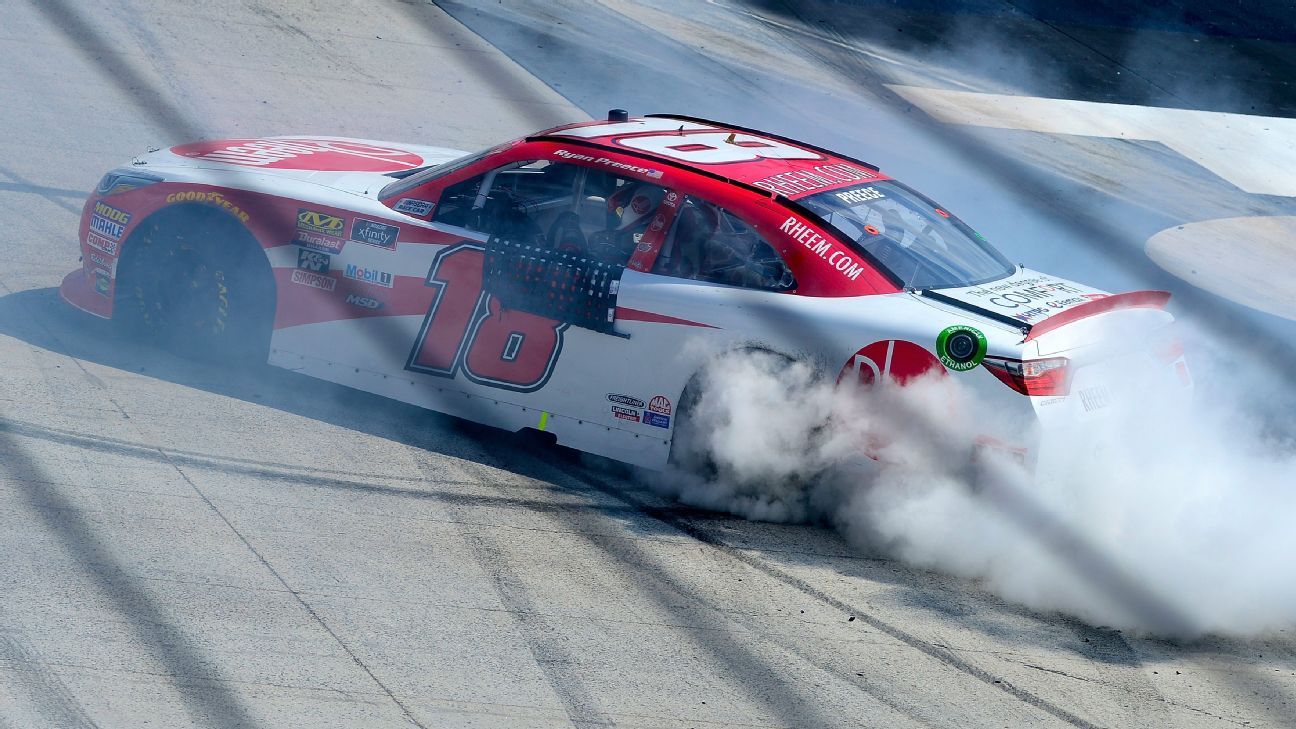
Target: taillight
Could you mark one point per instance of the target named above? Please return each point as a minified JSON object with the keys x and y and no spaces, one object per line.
{"x":1040,"y":377}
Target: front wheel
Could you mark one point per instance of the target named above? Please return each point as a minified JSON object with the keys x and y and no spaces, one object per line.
{"x":203,"y":290}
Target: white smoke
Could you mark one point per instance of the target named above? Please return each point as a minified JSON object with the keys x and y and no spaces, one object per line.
{"x":1171,"y":517}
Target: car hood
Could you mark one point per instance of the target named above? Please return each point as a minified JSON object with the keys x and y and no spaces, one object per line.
{"x":352,"y":165}
{"x":1027,"y":296}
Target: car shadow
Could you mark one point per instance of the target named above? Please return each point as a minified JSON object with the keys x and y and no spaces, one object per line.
{"x":41,"y":319}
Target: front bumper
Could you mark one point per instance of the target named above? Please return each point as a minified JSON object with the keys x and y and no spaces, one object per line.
{"x":88,"y":291}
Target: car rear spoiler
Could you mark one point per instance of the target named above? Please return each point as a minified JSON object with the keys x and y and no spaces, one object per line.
{"x":1129,"y":300}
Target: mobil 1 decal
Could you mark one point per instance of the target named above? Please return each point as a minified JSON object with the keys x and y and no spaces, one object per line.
{"x":961,"y":348}
{"x":466,"y":330}
{"x":889,"y":360}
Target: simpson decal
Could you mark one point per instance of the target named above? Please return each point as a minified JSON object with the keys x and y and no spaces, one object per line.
{"x":314,"y":280}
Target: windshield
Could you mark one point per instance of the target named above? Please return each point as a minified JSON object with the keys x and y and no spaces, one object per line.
{"x":414,"y":178}
{"x":918,"y":243}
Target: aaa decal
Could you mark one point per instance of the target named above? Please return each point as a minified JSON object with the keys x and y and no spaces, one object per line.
{"x":302,"y":154}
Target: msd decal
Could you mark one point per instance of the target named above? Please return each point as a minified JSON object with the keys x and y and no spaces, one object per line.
{"x":302,"y":154}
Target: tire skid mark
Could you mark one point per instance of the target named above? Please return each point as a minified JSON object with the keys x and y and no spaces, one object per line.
{"x":626,"y":552}
{"x":35,"y":678}
{"x":941,"y":654}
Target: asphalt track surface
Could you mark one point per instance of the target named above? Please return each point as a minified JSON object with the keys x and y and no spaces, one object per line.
{"x":187,"y":545}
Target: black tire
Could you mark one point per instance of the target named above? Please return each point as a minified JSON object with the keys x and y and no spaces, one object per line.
{"x":196,"y":282}
{"x":690,"y":449}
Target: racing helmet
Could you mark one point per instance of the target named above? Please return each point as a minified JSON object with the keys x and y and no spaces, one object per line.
{"x":632,"y":207}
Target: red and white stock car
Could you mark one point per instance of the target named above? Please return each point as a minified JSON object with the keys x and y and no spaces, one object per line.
{"x":577,"y":280}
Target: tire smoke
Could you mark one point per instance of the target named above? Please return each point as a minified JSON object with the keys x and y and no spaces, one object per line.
{"x":1168,"y":516}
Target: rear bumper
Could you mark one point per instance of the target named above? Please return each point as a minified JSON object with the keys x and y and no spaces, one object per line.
{"x":88,"y":291}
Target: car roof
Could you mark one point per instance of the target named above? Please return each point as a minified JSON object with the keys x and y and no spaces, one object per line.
{"x":766,"y":163}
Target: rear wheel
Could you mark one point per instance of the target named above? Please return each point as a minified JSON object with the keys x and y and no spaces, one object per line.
{"x":199,"y":284}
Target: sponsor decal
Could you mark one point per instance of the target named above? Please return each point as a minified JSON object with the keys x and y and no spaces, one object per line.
{"x":412,"y":206}
{"x":302,"y":154}
{"x":640,"y":204}
{"x":890,"y":359}
{"x":210,"y":197}
{"x":1026,"y":292}
{"x":961,"y":348}
{"x":656,"y":419}
{"x":660,"y":404}
{"x":317,"y":242}
{"x":576,"y":156}
{"x":107,"y":245}
{"x":859,"y":195}
{"x":112,"y":213}
{"x":308,"y":260}
{"x":314,"y":280}
{"x":100,"y":224}
{"x":1094,"y":297}
{"x":103,"y":261}
{"x":1095,"y":398}
{"x":625,"y":413}
{"x":633,"y":402}
{"x":818,"y":178}
{"x":368,"y":275}
{"x":316,"y":222}
{"x":364,"y":302}
{"x":1031,"y":315}
{"x":822,"y":247}
{"x":373,"y":233}
{"x":102,"y":282}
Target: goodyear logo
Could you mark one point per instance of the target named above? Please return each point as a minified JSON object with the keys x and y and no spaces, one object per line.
{"x":317,"y":222}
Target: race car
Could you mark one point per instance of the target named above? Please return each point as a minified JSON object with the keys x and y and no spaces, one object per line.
{"x":578,"y":280}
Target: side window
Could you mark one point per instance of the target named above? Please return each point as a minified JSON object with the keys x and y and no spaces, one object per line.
{"x":568,"y":208}
{"x":709,"y":243}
